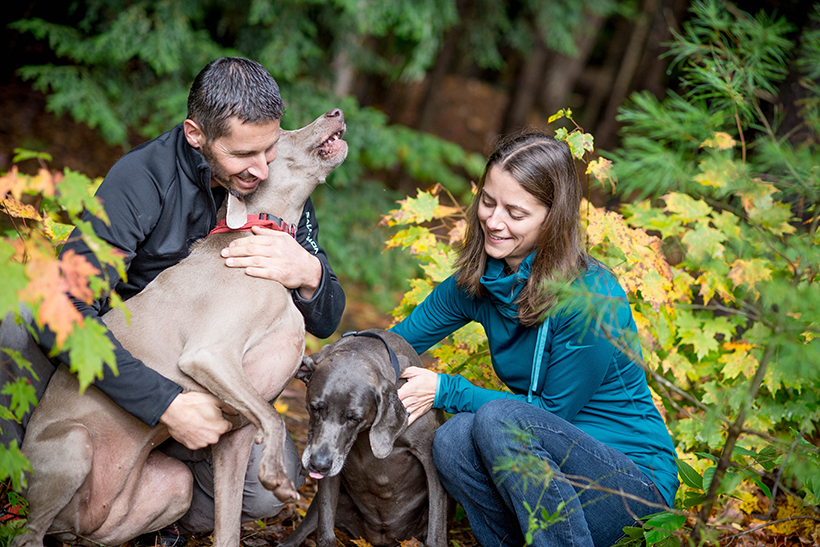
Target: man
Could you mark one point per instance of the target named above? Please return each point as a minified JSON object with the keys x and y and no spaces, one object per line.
{"x":163,"y":196}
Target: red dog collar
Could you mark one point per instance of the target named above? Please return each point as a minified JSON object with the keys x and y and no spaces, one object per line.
{"x":262,"y":219}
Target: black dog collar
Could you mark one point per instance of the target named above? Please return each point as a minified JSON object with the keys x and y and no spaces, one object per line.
{"x":393,"y":359}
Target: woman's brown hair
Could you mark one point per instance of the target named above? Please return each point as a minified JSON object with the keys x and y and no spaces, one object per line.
{"x":546,"y":169}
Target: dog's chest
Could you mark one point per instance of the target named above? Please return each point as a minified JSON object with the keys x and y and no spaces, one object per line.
{"x":382,"y":482}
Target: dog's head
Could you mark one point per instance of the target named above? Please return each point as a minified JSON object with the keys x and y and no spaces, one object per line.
{"x":304,"y":159}
{"x":348,"y":394}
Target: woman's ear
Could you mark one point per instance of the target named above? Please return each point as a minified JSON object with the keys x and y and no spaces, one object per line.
{"x":193,"y":133}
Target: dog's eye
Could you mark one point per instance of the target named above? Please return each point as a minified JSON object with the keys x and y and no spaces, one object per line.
{"x":353,"y":419}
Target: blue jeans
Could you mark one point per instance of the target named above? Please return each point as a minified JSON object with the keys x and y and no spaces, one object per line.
{"x":469,"y":448}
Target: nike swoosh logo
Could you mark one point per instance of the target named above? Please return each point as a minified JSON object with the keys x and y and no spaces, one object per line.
{"x":570,"y":346}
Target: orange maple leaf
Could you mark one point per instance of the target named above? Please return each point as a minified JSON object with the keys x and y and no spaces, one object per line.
{"x":44,"y":182}
{"x":76,"y":270}
{"x":48,"y":287}
{"x":12,"y":182}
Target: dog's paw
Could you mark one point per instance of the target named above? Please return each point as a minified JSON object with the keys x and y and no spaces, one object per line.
{"x":284,"y":490}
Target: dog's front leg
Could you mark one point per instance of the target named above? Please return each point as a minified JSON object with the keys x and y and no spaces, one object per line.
{"x":327,"y":497}
{"x":230,"y":460}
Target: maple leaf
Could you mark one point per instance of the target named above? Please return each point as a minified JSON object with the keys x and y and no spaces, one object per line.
{"x":17,"y":209}
{"x":361,"y":542}
{"x":738,"y":362}
{"x":687,"y":208}
{"x":749,"y":273}
{"x":88,"y":344}
{"x":717,"y":172}
{"x":457,"y":232}
{"x":23,"y":396}
{"x":680,"y":367}
{"x":43,"y":182}
{"x":601,"y":169}
{"x":76,"y":192}
{"x":412,"y":542}
{"x":712,"y":282}
{"x":580,"y":143}
{"x":440,"y":265}
{"x":13,"y":463}
{"x":13,"y":274}
{"x":719,"y":140}
{"x":563,"y":113}
{"x":76,"y":270}
{"x":704,"y":241}
{"x":57,"y":232}
{"x":13,"y":182}
{"x":48,"y":288}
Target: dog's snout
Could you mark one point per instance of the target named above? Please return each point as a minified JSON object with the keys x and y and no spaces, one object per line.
{"x":336,"y":113}
{"x":321,"y":461}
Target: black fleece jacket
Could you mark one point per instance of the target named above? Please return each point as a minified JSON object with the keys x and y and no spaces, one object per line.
{"x":159,"y":202}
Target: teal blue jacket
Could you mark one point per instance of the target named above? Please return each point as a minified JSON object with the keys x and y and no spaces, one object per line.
{"x":581,"y":378}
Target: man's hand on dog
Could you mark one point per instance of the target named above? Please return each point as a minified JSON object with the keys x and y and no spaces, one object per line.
{"x":418,"y":394}
{"x":195,"y":419}
{"x":276,"y":255}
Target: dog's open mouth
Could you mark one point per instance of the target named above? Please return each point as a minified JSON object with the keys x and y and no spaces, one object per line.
{"x":332,"y":145}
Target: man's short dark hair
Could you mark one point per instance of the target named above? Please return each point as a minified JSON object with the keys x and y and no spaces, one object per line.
{"x":233,"y":86}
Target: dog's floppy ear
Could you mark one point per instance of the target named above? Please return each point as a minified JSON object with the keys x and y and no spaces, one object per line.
{"x":390,"y":423}
{"x":306,"y":368}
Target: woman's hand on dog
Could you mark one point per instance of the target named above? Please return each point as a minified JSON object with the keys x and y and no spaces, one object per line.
{"x":274,"y":255}
{"x":419,"y":392}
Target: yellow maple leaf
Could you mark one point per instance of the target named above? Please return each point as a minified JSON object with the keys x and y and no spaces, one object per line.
{"x":719,"y":140}
{"x":601,"y":169}
{"x":457,"y":232}
{"x":281,"y":408}
{"x":750,"y":273}
{"x":361,"y":542}
{"x":17,"y":209}
{"x":738,"y":362}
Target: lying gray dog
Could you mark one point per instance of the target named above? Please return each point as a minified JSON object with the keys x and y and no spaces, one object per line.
{"x":376,"y":475}
{"x":210,"y":328}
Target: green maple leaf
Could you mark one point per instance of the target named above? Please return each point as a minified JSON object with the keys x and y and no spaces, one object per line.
{"x":12,"y":465}
{"x":579,"y":143}
{"x":76,"y":193}
{"x":14,"y":279}
{"x":687,"y":208}
{"x":23,"y":396}
{"x":705,"y":242}
{"x":90,"y":349}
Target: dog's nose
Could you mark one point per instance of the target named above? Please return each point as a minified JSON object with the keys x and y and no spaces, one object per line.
{"x":336,"y":113}
{"x":321,"y":462}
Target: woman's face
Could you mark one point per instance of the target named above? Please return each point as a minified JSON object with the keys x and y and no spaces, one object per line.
{"x":510,"y":217}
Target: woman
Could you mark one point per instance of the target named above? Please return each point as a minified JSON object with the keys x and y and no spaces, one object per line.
{"x":583,"y":405}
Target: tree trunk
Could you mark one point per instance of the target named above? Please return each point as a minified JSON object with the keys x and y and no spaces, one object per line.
{"x":526,"y":90}
{"x":427,"y":115}
{"x":563,"y":72}
{"x":629,"y":66}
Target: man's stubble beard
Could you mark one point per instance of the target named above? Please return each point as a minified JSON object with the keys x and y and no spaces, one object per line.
{"x":220,"y":175}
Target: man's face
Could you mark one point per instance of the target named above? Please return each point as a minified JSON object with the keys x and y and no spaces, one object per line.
{"x":239,"y":161}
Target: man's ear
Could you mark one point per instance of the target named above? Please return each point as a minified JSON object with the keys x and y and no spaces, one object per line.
{"x":193,"y":133}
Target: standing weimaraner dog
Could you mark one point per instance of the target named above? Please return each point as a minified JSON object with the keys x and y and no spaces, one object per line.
{"x":377,"y":479}
{"x":209,"y":328}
